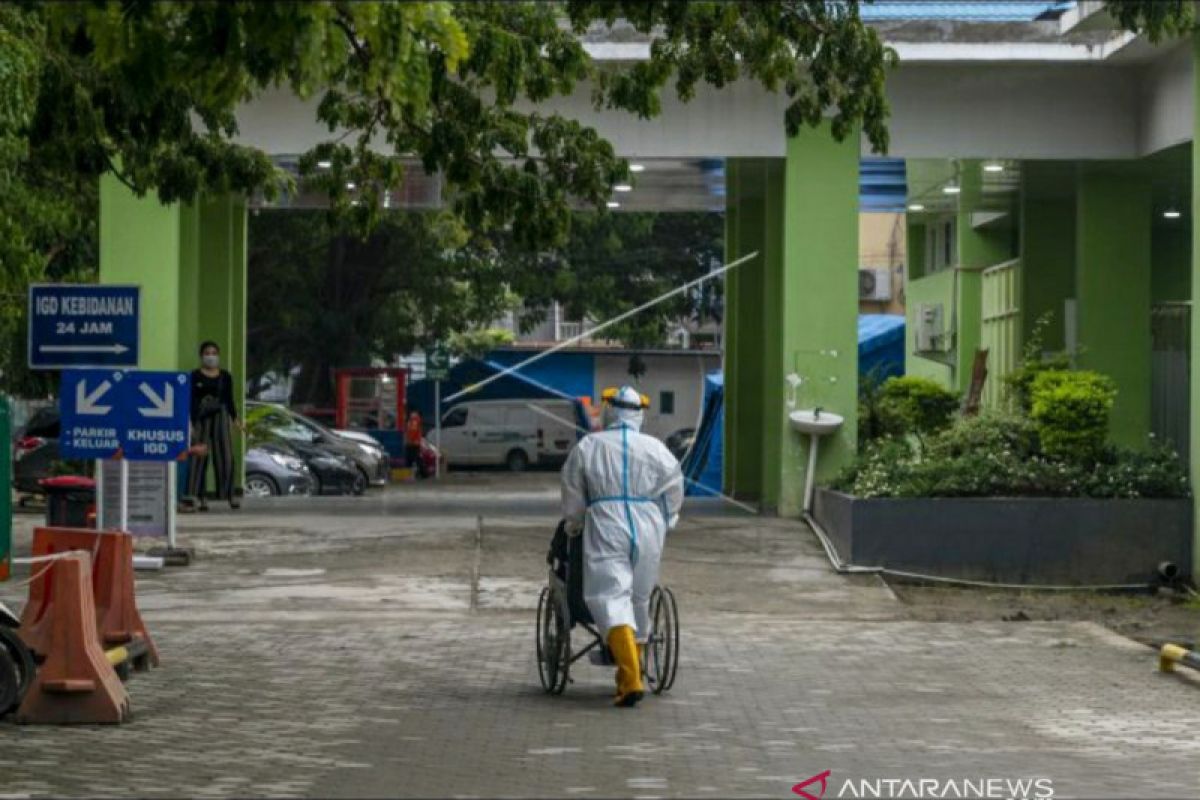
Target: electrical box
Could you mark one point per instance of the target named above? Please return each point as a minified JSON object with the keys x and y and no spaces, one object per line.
{"x":930,"y":332}
{"x":875,"y":284}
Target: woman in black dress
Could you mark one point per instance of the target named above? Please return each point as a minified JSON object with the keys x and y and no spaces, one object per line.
{"x":213,"y":417}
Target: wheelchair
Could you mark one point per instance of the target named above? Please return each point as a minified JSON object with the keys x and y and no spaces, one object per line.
{"x":561,"y":609}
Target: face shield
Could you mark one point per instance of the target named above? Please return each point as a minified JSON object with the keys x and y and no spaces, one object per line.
{"x":625,"y":407}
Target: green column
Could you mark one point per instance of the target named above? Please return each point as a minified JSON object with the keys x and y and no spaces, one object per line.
{"x":190,"y":260}
{"x":1113,"y":289}
{"x":749,"y":229}
{"x":1047,"y":247}
{"x":816,"y":317}
{"x":1194,"y":446}
{"x":6,"y":482}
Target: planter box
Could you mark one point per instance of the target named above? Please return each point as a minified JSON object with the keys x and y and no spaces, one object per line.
{"x":1028,"y":540}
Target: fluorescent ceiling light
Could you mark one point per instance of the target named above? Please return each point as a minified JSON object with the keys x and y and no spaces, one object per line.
{"x":350,"y":185}
{"x":993,"y":168}
{"x":324,"y":164}
{"x":952,"y":189}
{"x":622,"y":187}
{"x":916,"y":207}
{"x":637,"y":167}
{"x":1172,"y":214}
{"x":613,"y":204}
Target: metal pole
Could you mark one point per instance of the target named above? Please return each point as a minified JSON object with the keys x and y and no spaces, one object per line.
{"x":437,"y":429}
{"x":172,"y":480}
{"x":100,"y":494}
{"x":124,"y":494}
{"x":583,"y":334}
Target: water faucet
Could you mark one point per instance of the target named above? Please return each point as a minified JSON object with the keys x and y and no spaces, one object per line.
{"x":793,"y":381}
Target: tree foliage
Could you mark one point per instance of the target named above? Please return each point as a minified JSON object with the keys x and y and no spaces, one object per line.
{"x":1157,"y":19}
{"x":350,"y":300}
{"x":149,"y":91}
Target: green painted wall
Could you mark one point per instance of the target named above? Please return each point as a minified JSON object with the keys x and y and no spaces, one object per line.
{"x":1113,"y":289}
{"x":793,"y":309}
{"x":819,"y":315}
{"x":1194,"y":446}
{"x":1047,"y":224}
{"x":190,"y":260}
{"x":939,"y":287}
{"x":977,"y":249}
{"x":915,"y":244}
{"x":1171,"y":260}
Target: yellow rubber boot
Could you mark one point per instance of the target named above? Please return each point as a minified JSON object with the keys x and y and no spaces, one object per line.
{"x":629,"y":668}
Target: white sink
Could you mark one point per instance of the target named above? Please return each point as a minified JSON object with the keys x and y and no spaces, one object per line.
{"x":814,"y":422}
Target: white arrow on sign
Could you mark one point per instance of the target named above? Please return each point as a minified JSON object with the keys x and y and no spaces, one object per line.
{"x":84,"y":348}
{"x":85,"y":402}
{"x":163,"y":406}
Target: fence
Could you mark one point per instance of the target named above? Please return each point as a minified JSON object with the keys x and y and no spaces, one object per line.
{"x":1001,"y":333}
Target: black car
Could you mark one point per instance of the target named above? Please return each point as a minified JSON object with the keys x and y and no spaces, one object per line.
{"x":273,"y":471}
{"x":332,"y":473}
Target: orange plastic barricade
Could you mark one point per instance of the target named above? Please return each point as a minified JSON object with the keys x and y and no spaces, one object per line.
{"x":117,"y":618}
{"x":76,"y":683}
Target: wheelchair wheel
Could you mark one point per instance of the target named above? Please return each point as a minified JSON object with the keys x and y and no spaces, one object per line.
{"x":553,"y":642}
{"x":662,"y":649}
{"x":23,"y":666}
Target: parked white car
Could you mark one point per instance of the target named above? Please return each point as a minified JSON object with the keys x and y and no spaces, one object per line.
{"x":512,"y":433}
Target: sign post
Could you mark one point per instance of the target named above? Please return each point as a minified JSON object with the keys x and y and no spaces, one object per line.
{"x":142,"y":420}
{"x":83,"y":325}
{"x":437,"y":368}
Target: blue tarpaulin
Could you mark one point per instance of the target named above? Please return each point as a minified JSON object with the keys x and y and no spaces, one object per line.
{"x":881,"y":345}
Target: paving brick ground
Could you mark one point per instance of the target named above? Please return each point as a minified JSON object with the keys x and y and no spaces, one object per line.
{"x":385,"y":648}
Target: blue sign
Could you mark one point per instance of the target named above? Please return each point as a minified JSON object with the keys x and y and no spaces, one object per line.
{"x":77,"y":325}
{"x":143,"y":416}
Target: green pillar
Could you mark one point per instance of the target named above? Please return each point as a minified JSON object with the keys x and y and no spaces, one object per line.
{"x":793,"y":309}
{"x":1113,"y":290}
{"x":6,"y":494}
{"x":752,"y":225}
{"x":1047,"y":247}
{"x":817,"y":305}
{"x":1194,"y":422}
{"x":190,"y":260}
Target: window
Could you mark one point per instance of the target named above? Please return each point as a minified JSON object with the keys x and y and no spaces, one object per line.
{"x":455,"y":419}
{"x":940,"y":240}
{"x":666,"y":403}
{"x":488,"y":415}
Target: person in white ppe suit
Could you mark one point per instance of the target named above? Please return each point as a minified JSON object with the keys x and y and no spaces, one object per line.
{"x":622,"y":490}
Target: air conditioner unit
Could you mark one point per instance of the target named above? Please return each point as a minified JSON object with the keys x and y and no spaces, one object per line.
{"x":875,"y":284}
{"x":930,"y":331}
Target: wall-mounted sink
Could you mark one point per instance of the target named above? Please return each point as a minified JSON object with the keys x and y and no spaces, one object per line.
{"x":815,"y":422}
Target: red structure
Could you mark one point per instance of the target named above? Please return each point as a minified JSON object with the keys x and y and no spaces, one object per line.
{"x":370,"y":398}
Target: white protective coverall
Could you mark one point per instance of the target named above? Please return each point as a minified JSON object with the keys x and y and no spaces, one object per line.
{"x":623,"y":489}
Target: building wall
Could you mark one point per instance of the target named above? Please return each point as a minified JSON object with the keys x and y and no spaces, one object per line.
{"x":682,"y":374}
{"x":882,"y":243}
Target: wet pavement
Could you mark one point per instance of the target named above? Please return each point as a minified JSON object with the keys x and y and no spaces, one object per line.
{"x":384,"y":646}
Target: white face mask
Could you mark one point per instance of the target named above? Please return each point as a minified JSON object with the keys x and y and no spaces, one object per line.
{"x":210,"y":361}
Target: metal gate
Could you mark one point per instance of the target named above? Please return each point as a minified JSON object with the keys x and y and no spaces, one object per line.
{"x":1001,"y":333}
{"x":1170,"y":330}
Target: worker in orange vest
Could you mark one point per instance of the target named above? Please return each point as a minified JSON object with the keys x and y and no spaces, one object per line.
{"x":413,"y":435}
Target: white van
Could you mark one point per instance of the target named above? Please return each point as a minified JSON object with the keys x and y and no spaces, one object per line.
{"x":512,"y":433}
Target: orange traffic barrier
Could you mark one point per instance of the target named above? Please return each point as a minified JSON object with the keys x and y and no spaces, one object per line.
{"x":117,"y":618}
{"x":76,"y":683}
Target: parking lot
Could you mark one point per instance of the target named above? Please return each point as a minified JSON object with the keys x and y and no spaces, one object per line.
{"x":384,"y":645}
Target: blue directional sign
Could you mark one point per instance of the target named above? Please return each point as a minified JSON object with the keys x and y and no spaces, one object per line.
{"x":77,"y":325}
{"x":143,"y":415}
